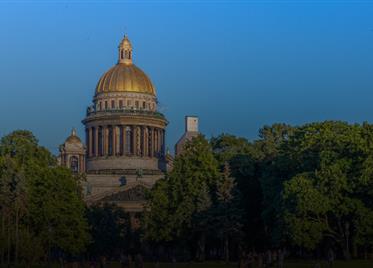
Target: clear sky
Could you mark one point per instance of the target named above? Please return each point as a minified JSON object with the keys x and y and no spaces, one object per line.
{"x":238,"y":65}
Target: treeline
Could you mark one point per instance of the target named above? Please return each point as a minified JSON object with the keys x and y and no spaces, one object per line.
{"x":307,"y":189}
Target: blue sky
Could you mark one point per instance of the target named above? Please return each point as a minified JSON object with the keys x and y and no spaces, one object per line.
{"x":238,"y":66}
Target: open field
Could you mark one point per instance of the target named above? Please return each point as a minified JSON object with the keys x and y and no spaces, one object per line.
{"x":288,"y":264}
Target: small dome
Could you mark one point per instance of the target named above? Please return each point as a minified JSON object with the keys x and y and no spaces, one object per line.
{"x":125,"y":78}
{"x":73,"y":138}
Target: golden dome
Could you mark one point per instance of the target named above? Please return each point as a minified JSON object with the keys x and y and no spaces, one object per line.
{"x":125,"y":76}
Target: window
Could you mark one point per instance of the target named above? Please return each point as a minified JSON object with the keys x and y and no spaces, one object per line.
{"x":137,"y":104}
{"x":144,"y":105}
{"x":74,"y":164}
{"x":120,"y":104}
{"x":128,"y":103}
{"x":121,"y":54}
{"x":113,"y":104}
{"x":106,"y":105}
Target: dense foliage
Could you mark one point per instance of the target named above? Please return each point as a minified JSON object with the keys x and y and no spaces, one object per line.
{"x":306,"y":188}
{"x":309,"y":186}
{"x":41,"y":210}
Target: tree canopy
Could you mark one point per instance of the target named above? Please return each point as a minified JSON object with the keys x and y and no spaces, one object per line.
{"x":41,"y":209}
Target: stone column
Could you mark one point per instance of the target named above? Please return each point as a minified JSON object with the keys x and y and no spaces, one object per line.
{"x":96,"y":142}
{"x":159,"y":142}
{"x":145,"y":141}
{"x":156,"y":142}
{"x":88,"y":132}
{"x":106,"y":140}
{"x":122,"y":139}
{"x":163,"y":143}
{"x":138,"y":141}
{"x":149,"y":142}
{"x":134,"y":134}
{"x":153,"y":139}
{"x":117,"y":146}
{"x":89,"y":142}
{"x":115,"y":139}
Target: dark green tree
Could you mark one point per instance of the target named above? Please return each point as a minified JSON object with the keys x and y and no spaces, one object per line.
{"x":328,"y":199}
{"x":175,"y":200}
{"x":41,"y":208}
{"x":110,"y":230}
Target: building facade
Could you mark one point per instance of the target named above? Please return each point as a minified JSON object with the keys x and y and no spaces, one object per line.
{"x":124,"y":150}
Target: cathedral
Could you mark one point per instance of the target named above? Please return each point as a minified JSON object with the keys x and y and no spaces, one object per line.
{"x":124,"y":149}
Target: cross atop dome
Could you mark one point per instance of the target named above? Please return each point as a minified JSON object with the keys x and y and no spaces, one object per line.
{"x":125,"y":51}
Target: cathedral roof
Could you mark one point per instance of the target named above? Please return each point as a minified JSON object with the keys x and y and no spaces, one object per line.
{"x":125,"y":76}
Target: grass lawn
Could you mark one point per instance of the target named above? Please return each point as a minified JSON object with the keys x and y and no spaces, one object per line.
{"x":289,"y":264}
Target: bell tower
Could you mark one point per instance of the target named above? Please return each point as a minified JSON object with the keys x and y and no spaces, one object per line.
{"x":125,"y":51}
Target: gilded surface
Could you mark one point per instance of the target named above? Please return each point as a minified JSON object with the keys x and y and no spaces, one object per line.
{"x":125,"y":78}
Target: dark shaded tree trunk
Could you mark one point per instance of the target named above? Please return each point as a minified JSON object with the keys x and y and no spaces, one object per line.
{"x":201,"y":254}
{"x":3,"y":237}
{"x":226,"y":249}
{"x":17,"y":238}
{"x":346,"y":246}
{"x":9,"y":244}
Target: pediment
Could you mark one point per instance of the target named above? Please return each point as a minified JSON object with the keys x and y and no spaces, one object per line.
{"x":136,"y":193}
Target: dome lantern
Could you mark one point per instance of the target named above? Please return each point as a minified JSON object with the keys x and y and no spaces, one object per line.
{"x":125,"y":76}
{"x":125,"y":51}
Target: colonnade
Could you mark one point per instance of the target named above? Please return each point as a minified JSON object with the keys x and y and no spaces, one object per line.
{"x":125,"y":140}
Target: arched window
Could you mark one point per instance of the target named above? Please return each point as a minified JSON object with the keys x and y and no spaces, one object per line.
{"x":113,"y":104}
{"x":74,"y":164}
{"x":100,"y":105}
{"x":121,"y":54}
{"x":100,"y":149}
{"x":110,"y":141}
{"x":128,"y":140}
{"x":120,"y":104}
{"x":106,"y":105}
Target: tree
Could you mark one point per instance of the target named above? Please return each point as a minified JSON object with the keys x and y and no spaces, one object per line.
{"x":273,"y":168}
{"x":244,"y":160}
{"x":327,"y":199}
{"x":41,"y":203}
{"x":175,"y":200}
{"x":226,"y":212}
{"x":110,"y":230}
